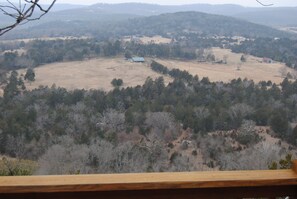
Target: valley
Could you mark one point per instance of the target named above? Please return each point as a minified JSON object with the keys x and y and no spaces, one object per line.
{"x":129,"y":88}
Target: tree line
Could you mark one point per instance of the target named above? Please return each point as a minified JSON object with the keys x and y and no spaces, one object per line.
{"x":278,"y":49}
{"x":40,"y":52}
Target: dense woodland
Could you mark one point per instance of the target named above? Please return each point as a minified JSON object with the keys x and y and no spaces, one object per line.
{"x":133,"y":129}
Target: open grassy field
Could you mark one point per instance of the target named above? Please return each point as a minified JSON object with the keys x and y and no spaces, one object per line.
{"x":149,"y":40}
{"x":155,"y":40}
{"x":92,"y":74}
{"x":98,"y":73}
{"x":251,"y":69}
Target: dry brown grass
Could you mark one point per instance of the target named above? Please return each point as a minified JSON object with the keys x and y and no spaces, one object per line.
{"x":92,"y":74}
{"x":251,"y":69}
{"x":155,"y":40}
{"x":149,"y":40}
{"x":98,"y":73}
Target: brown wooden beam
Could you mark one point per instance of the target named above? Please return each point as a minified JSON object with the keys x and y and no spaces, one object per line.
{"x":146,"y":181}
{"x":209,"y":193}
{"x":189,"y":185}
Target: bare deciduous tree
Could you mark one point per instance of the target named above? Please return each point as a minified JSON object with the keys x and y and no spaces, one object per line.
{"x":65,"y":158}
{"x":112,"y":120}
{"x":257,"y":157}
{"x":131,"y":158}
{"x":101,"y":156}
{"x":238,"y":112}
{"x":23,"y":12}
{"x":283,"y":71}
{"x":161,"y":121}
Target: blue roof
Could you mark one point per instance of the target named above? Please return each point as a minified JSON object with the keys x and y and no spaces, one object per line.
{"x":138,"y":59}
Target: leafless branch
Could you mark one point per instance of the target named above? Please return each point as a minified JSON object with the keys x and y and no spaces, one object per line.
{"x":263,"y":3}
{"x":22,"y":12}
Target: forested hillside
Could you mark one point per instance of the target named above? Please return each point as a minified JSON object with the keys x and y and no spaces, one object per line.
{"x":200,"y":23}
{"x":166,"y":25}
{"x":135,"y":129}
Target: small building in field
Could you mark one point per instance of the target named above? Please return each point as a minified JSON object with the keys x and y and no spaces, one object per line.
{"x":138,"y":59}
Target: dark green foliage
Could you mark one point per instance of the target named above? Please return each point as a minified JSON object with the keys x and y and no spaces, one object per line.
{"x":30,"y":75}
{"x":117,"y":82}
{"x":279,"y":122}
{"x":128,"y":54}
{"x":294,"y":135}
{"x":211,"y":58}
{"x":112,"y":49}
{"x":14,"y":87}
{"x":159,"y":68}
{"x":285,"y":163}
{"x":242,"y":58}
{"x":247,"y":134}
{"x":11,"y":167}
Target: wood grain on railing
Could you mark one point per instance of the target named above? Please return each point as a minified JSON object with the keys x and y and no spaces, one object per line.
{"x":225,"y":184}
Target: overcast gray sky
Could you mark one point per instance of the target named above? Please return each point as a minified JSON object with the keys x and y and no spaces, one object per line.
{"x":177,"y":2}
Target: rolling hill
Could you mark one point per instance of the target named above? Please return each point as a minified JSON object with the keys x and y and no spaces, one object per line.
{"x":273,"y":16}
{"x":263,"y":15}
{"x":171,"y":24}
{"x":200,"y":23}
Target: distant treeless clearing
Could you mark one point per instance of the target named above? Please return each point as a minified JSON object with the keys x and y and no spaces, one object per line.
{"x":155,"y":40}
{"x":148,"y":40}
{"x":92,"y":74}
{"x":251,"y":69}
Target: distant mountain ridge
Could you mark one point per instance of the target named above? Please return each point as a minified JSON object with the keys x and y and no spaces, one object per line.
{"x":156,"y":9}
{"x":201,"y":23}
{"x":272,"y":16}
{"x":168,"y":25}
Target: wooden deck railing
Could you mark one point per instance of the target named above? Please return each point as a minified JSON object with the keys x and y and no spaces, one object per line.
{"x":226,"y":184}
